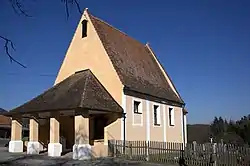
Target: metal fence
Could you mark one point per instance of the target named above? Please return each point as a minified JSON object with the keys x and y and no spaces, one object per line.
{"x":180,"y":154}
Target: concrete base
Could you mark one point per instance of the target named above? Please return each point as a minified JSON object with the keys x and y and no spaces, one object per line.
{"x":54,"y":149}
{"x":33,"y":148}
{"x":16,"y":146}
{"x":82,"y":151}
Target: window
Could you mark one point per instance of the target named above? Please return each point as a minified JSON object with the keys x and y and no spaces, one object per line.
{"x":137,"y":107}
{"x":157,"y":116}
{"x":84,"y":28}
{"x":137,"y":112}
{"x":171,"y":116}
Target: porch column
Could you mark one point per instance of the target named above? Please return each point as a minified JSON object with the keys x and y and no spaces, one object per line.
{"x":54,"y":147}
{"x":16,"y":143}
{"x":106,"y":135}
{"x":33,"y":144}
{"x":81,"y":148}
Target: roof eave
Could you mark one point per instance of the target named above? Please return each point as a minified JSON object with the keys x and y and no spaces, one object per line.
{"x":32,"y":111}
{"x":126,"y":90}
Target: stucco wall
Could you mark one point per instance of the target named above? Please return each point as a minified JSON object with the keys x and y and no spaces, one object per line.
{"x":174,"y":133}
{"x":135,"y":131}
{"x":154,"y":133}
{"x":89,"y":53}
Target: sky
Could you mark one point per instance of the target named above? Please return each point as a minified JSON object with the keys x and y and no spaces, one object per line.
{"x":203,"y":45}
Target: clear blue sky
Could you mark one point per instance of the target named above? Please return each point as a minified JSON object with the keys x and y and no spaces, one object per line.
{"x":203,"y":44}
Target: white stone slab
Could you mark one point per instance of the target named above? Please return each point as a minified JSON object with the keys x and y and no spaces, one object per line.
{"x":33,"y":147}
{"x":54,"y":149}
{"x":82,"y":151}
{"x":16,"y":146}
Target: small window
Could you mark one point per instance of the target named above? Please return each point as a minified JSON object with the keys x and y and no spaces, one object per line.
{"x":84,"y":28}
{"x":171,"y":116}
{"x":137,"y":107}
{"x":157,"y":115}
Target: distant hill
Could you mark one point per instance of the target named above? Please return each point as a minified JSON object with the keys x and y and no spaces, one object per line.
{"x":199,"y":133}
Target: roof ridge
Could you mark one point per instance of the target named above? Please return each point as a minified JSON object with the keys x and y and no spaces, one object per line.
{"x":113,"y":27}
{"x":84,"y":89}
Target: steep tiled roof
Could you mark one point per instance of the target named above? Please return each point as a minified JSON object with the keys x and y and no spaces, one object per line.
{"x":80,"y":90}
{"x":133,"y":62}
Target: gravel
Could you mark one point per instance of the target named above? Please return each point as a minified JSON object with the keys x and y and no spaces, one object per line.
{"x":22,"y":159}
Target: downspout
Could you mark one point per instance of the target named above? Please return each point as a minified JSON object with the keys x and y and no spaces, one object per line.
{"x":124,"y":131}
{"x":183,"y":128}
{"x":182,"y":159}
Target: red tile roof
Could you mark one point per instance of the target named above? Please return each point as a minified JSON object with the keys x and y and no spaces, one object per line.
{"x":77,"y":91}
{"x":133,"y":62}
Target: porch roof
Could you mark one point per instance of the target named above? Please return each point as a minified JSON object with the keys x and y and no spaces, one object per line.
{"x":80,"y":90}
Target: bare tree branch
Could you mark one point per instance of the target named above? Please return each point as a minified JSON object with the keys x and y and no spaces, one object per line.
{"x":71,"y":2}
{"x":67,"y":8}
{"x":9,"y":44}
{"x":18,"y":8}
{"x":78,"y":6}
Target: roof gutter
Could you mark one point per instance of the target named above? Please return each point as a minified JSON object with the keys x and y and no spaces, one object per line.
{"x":159,"y":99}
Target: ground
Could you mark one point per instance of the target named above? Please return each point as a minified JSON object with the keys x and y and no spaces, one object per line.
{"x":11,"y":159}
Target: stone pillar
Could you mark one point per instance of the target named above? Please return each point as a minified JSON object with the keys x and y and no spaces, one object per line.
{"x":81,"y":148}
{"x":16,"y":143}
{"x":33,"y":144}
{"x":54,"y":147}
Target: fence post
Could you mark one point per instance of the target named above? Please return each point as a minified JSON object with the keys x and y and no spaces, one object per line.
{"x":194,"y":148}
{"x":214,"y":152}
{"x":130,"y":151}
{"x":111,"y":148}
{"x":203,"y":147}
{"x":213,"y":155}
{"x":115,"y":146}
{"x":147,"y":149}
{"x":182,"y":158}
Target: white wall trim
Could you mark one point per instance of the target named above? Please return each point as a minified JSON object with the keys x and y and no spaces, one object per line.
{"x":160,"y":112}
{"x":185,"y":125}
{"x":182,"y":129}
{"x":164,"y":123}
{"x":124,"y":105}
{"x":133,"y":114}
{"x":148,"y":120}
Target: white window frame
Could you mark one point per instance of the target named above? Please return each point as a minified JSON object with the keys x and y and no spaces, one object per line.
{"x":171,"y":114}
{"x":140,"y":111}
{"x":158,"y":115}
